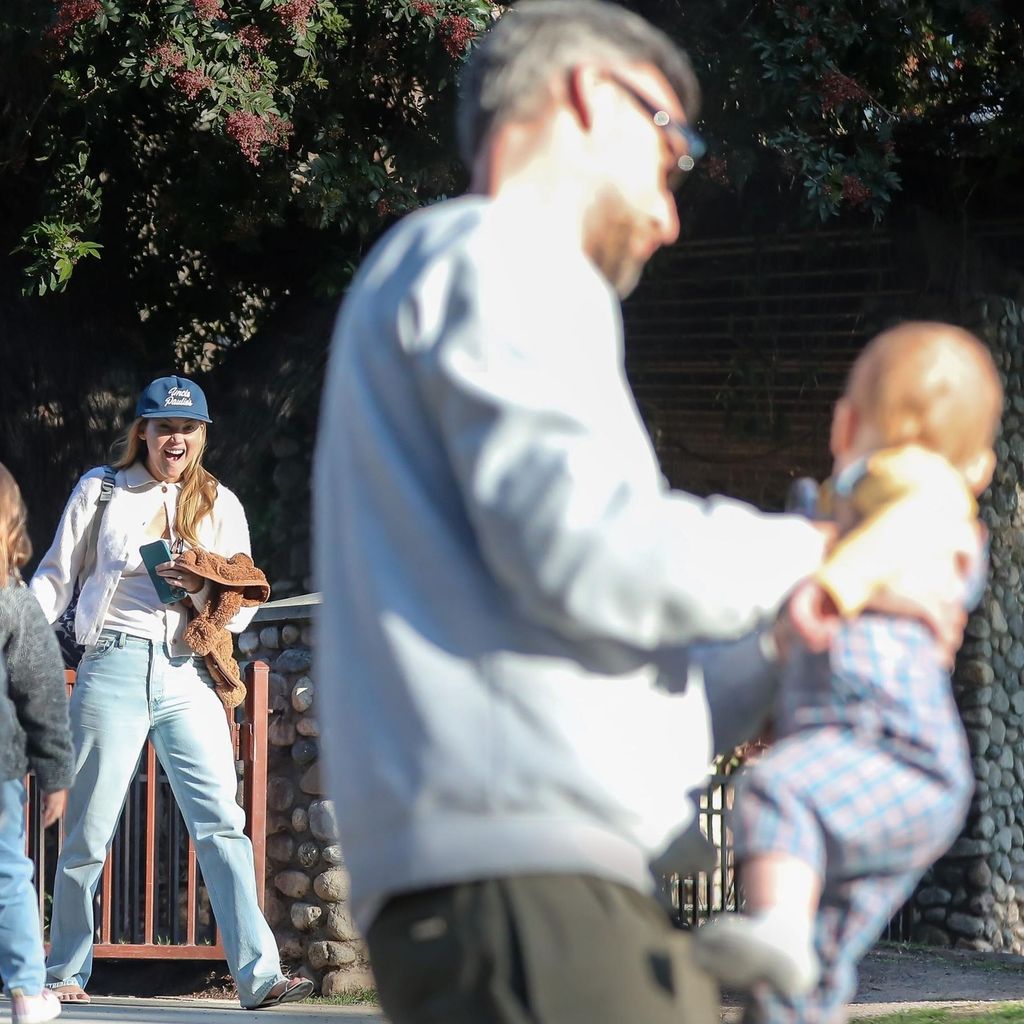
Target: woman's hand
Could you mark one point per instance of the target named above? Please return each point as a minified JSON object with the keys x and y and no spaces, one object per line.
{"x":178,"y":576}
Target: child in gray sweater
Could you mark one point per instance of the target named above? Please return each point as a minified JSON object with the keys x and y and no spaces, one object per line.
{"x":34,"y":737}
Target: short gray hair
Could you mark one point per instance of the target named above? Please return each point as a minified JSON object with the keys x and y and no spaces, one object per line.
{"x":508,"y":76}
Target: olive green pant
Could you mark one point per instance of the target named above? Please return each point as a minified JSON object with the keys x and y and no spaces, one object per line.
{"x":535,"y":949}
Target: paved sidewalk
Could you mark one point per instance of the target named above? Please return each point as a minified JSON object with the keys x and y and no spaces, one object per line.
{"x":118,"y":1010}
{"x":209,"y":1011}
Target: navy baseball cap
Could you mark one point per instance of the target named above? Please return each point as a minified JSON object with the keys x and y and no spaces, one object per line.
{"x":173,"y":398}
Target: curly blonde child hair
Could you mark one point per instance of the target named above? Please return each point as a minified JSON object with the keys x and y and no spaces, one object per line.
{"x":15,"y":547}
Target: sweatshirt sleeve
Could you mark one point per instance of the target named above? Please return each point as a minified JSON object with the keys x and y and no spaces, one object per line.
{"x":53,"y":582}
{"x":232,"y":537}
{"x":741,"y":680}
{"x":36,"y":686}
{"x":561,"y":484}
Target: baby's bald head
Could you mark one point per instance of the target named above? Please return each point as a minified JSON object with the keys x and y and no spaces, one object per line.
{"x":930,"y":384}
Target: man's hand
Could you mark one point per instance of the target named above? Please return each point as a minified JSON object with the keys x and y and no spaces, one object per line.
{"x":804,"y":618}
{"x":931,"y":587}
{"x":53,"y":806}
{"x":812,"y":616}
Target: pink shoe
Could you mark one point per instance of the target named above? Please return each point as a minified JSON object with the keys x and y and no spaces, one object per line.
{"x":34,"y":1009}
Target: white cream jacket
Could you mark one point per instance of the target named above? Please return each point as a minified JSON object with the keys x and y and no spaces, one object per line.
{"x":225,"y":532}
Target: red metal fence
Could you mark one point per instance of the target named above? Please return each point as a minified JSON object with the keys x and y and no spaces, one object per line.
{"x":152,"y":903}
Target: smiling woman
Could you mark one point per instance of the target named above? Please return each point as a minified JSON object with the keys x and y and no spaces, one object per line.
{"x":139,"y":679}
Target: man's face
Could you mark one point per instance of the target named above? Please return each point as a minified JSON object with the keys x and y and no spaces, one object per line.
{"x":633,"y":210}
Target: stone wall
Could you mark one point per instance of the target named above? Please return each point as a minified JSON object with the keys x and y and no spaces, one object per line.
{"x":972,"y":898}
{"x":307,"y":885}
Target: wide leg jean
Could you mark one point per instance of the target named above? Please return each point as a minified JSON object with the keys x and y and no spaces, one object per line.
{"x":128,"y":690}
{"x":21,"y":944}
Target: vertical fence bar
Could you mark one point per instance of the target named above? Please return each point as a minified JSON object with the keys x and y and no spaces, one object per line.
{"x":702,"y":894}
{"x":106,"y":900}
{"x":190,"y":896}
{"x":254,"y":755}
{"x":149,"y":851}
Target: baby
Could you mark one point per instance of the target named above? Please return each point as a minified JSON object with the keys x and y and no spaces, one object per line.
{"x":870,"y":779}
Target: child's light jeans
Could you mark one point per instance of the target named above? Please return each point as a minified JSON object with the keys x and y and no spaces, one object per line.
{"x":21,"y":944}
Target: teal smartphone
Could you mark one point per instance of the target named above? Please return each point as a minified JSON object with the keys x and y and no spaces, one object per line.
{"x":154,"y":554}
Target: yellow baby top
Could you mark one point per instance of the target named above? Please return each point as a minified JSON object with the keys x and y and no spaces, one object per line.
{"x":892,"y":494}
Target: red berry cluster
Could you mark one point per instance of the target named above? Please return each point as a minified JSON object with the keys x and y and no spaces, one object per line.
{"x":837,"y":88}
{"x":207,"y":10}
{"x":252,"y":37}
{"x":456,"y":34}
{"x":250,"y":71}
{"x":168,"y":56}
{"x":801,"y":13}
{"x":383,"y":208}
{"x":252,"y":133}
{"x":71,"y":14}
{"x":855,"y":192}
{"x":295,"y":14}
{"x":191,"y":81}
{"x":978,"y":17}
{"x":424,"y":7}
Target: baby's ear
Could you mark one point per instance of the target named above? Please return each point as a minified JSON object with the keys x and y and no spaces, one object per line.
{"x":978,"y":471}
{"x":844,"y":428}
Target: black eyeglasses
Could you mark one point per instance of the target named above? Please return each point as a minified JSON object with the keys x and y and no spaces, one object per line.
{"x":695,"y":147}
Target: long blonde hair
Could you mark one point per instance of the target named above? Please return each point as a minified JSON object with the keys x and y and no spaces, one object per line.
{"x":15,"y":547}
{"x":198,"y":486}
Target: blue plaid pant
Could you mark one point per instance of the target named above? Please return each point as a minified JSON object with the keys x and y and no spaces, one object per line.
{"x":869,"y":784}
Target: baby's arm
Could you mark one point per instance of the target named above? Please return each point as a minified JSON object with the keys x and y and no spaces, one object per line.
{"x":905,"y":558}
{"x":869,"y":555}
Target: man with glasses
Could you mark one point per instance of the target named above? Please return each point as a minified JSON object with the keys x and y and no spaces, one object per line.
{"x":509,"y":585}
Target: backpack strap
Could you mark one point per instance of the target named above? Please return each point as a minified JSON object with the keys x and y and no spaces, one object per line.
{"x":106,"y":493}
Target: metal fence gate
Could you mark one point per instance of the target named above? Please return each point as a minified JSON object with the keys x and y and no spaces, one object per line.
{"x":151,"y":902}
{"x":696,"y":898}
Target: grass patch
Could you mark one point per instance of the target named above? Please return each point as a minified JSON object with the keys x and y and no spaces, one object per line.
{"x":1004,"y":1013}
{"x":358,"y":997}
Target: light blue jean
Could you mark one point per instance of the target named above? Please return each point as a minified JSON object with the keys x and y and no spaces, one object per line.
{"x":128,"y":689}
{"x":21,"y":943}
